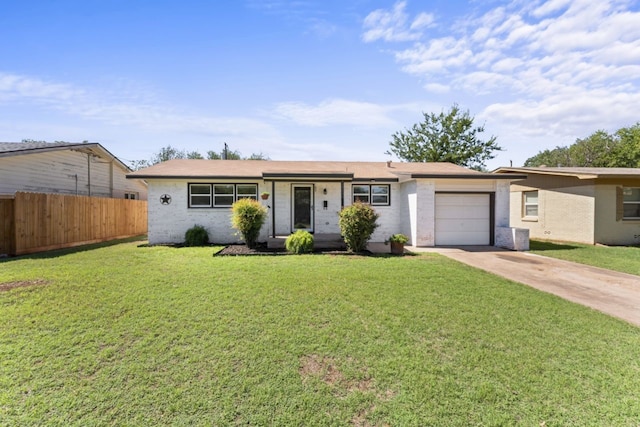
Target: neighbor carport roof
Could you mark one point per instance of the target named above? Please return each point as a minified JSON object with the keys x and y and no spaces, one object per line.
{"x":274,"y":169}
{"x":10,"y":149}
{"x":580,"y":173}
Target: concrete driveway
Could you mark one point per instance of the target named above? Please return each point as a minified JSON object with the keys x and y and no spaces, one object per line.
{"x":617,"y":294}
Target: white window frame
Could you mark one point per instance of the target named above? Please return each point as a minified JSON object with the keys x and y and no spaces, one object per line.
{"x":253,"y":195}
{"x":630,"y":202}
{"x":526,"y":204}
{"x":216,"y":196}
{"x":370,"y":194}
{"x":213,"y":195}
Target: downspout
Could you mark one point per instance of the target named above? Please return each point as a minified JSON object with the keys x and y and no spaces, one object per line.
{"x":89,"y":174}
{"x":273,"y":209}
{"x":111,"y":180}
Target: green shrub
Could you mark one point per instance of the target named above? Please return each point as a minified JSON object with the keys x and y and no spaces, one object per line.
{"x":248,"y":216}
{"x":300,"y":242}
{"x":196,"y":236}
{"x":357,"y":224}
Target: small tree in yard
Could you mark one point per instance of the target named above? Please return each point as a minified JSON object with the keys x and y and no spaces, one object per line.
{"x":248,"y":217}
{"x":357,"y":224}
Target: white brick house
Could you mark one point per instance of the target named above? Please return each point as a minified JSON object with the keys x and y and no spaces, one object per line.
{"x":432,"y":203}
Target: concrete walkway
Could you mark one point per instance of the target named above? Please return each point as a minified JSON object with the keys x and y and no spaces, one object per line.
{"x":613,"y":293}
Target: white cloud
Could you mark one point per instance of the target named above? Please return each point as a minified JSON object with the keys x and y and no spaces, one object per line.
{"x":120,"y":111}
{"x":15,"y":88}
{"x":510,"y":40}
{"x":437,"y":88}
{"x":423,"y":20}
{"x":340,"y":112}
{"x":565,"y":67}
{"x":395,"y":25}
{"x":550,"y":7}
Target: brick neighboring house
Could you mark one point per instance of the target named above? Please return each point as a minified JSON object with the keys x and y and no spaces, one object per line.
{"x":432,"y":203}
{"x":584,"y":205}
{"x":86,"y":169}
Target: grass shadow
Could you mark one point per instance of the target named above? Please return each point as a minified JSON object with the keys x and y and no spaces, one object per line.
{"x":67,"y":251}
{"x":538,"y":245}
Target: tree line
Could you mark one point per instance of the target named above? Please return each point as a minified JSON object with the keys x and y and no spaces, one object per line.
{"x":171,"y":153}
{"x":620,"y":149}
{"x":452,"y":137}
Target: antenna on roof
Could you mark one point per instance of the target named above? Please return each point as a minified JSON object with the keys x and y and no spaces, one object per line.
{"x":225,"y":152}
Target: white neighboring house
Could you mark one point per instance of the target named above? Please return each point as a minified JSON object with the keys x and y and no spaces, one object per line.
{"x":86,"y":169}
{"x":435,"y":204}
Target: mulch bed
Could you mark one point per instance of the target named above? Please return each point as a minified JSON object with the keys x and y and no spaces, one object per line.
{"x":262,"y":249}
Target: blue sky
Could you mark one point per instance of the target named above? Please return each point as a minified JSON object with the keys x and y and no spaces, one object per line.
{"x":314,"y":80}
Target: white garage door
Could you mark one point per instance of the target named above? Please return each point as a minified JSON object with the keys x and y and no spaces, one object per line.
{"x":463,"y":219}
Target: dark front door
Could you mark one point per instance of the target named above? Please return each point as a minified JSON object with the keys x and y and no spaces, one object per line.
{"x":302,"y":216}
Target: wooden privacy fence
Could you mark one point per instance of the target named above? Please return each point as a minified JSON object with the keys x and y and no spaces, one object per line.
{"x":35,"y":222}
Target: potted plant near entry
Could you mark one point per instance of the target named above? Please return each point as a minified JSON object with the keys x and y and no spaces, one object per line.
{"x":397,"y":243}
{"x":264,"y":195}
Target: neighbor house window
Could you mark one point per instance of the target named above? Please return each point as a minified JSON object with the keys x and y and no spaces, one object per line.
{"x":131,"y":196}
{"x":377,"y":195}
{"x":530,"y":204}
{"x":631,"y":203}
{"x":220,"y":195}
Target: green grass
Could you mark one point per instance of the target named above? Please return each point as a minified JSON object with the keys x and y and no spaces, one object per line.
{"x":625,"y":259}
{"x":128,"y":335}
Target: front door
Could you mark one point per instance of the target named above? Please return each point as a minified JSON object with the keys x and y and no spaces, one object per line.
{"x":302,"y":215}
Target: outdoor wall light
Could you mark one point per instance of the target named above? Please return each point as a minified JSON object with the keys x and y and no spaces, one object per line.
{"x":324,"y":191}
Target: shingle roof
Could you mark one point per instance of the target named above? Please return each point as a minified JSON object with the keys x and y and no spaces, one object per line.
{"x":273,"y":169}
{"x":578,"y":172}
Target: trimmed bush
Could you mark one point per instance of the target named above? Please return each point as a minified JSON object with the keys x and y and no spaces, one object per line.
{"x":196,"y":236}
{"x":248,"y":216}
{"x":357,"y":224}
{"x":300,"y":242}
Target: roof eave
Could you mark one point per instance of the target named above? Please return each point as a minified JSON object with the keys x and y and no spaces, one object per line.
{"x":467,"y":176}
{"x":134,"y":176}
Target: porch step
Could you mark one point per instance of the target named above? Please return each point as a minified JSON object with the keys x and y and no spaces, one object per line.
{"x":321,"y":241}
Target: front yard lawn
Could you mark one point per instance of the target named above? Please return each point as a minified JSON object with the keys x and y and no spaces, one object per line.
{"x":128,"y":335}
{"x":625,"y":259}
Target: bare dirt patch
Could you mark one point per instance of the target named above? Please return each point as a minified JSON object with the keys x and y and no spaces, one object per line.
{"x":320,"y":367}
{"x":327,"y":370}
{"x":7,"y":286}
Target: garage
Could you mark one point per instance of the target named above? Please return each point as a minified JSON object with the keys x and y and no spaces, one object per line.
{"x":463,"y":219}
